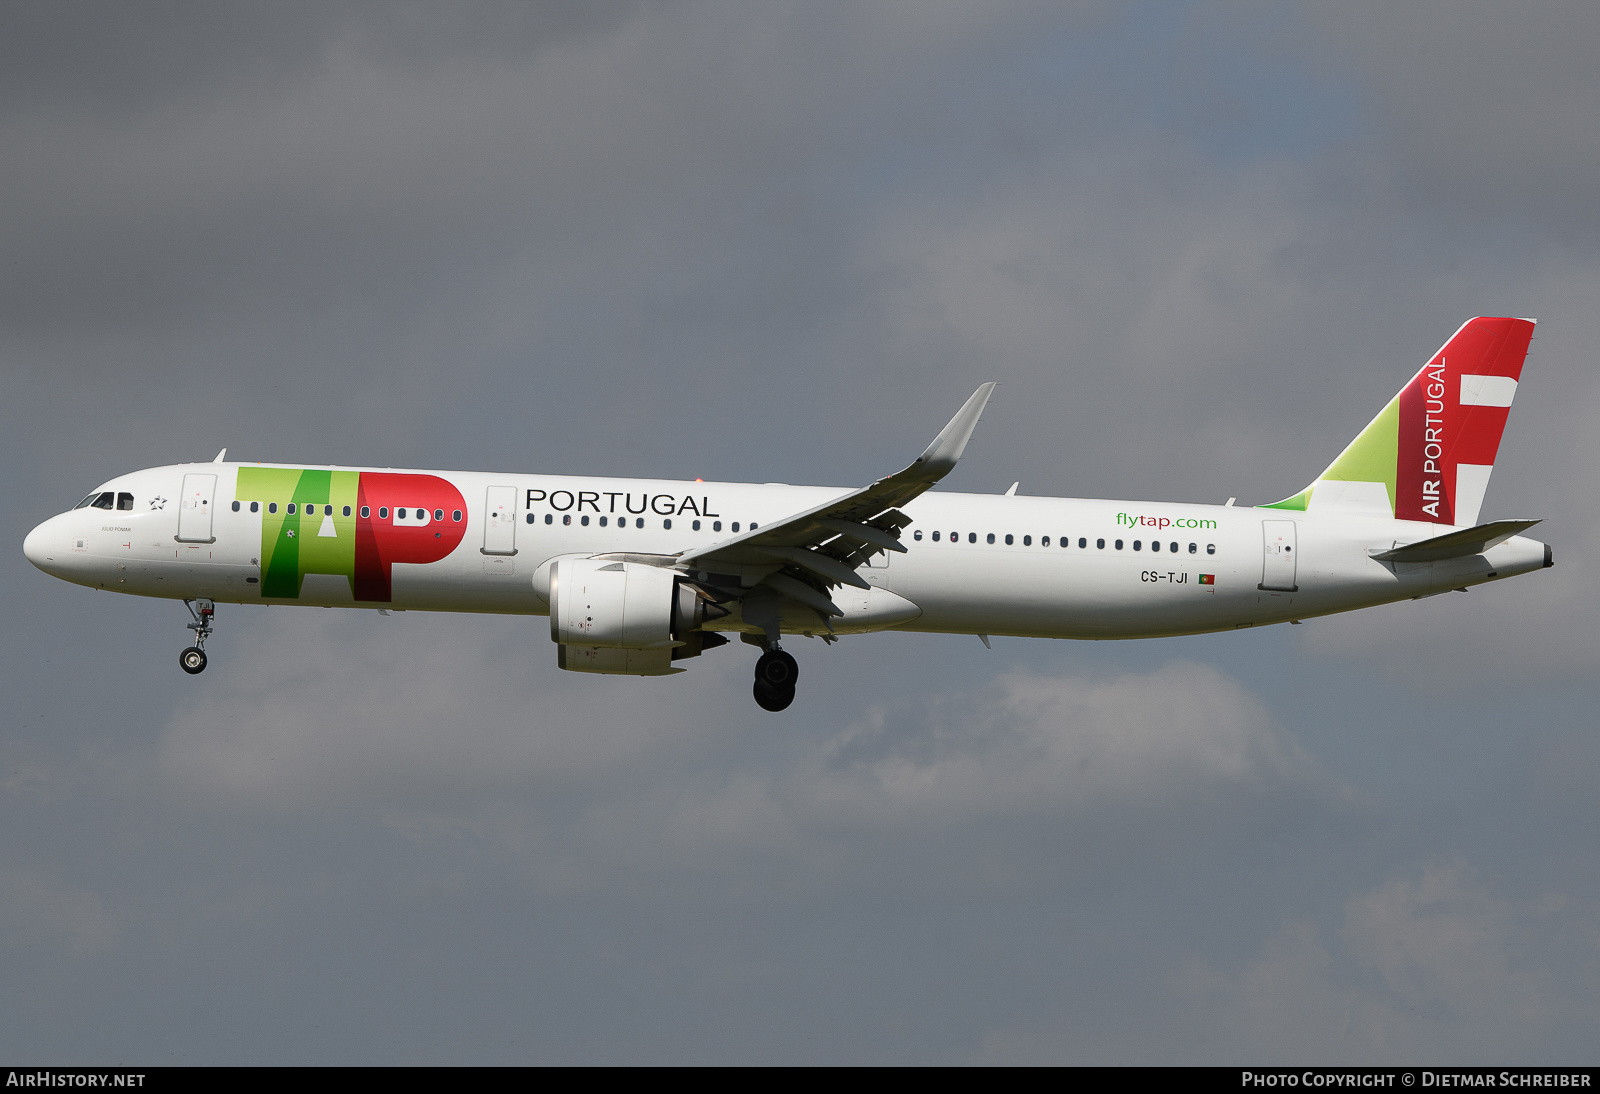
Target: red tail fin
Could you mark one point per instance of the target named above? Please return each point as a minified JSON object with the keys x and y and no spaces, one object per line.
{"x":1428,"y":454}
{"x":1451,"y":416}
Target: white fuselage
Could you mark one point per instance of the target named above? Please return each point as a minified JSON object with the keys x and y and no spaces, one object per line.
{"x":1003,"y":565}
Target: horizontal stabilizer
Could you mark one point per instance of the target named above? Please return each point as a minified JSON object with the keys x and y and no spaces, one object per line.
{"x":1468,"y":541}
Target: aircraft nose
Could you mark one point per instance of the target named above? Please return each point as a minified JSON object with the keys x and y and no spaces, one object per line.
{"x":39,"y":546}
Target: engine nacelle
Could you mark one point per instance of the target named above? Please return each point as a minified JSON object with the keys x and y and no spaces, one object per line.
{"x":620,"y":605}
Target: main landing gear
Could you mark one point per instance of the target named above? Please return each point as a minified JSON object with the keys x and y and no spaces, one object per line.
{"x":776,"y":673}
{"x":193,"y":659}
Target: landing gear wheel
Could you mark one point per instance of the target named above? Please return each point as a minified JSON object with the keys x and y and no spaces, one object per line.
{"x":774,"y":701}
{"x":777,"y":672}
{"x":193,"y":660}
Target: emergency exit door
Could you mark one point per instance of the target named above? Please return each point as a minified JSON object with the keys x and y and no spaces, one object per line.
{"x":500,"y":521}
{"x":1278,"y":561}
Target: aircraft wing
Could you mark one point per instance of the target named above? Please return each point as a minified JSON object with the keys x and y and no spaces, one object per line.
{"x":803,"y":555}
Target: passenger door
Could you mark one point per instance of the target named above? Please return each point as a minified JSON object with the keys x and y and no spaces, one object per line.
{"x":1278,"y":561}
{"x":500,"y":521}
{"x":194,"y":509}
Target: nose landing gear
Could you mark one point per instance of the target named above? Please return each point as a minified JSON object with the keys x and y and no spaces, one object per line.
{"x":776,"y":673}
{"x":193,"y":659}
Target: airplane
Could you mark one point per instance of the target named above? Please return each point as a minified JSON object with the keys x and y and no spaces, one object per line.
{"x":640,"y":576}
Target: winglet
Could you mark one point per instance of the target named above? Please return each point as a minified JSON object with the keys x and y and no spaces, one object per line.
{"x":221,"y":454}
{"x":946,"y":449}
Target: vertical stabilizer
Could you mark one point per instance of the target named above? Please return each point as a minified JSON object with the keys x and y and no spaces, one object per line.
{"x":1428,"y":454}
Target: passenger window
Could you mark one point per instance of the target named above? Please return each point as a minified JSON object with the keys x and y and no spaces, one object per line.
{"x":716,"y":526}
{"x":125,"y":502}
{"x":752,"y":525}
{"x":917,"y":535}
{"x":696,"y":526}
{"x":1119,"y":545}
{"x":103,"y":501}
{"x":584,"y":520}
{"x":1084,"y":542}
{"x":640,"y":523}
{"x":1100,"y":543}
{"x":667,"y":524}
{"x":1173,"y":547}
{"x":366,"y":512}
{"x":255,"y":507}
{"x":566,"y":518}
{"x":936,"y":537}
{"x":549,"y":518}
{"x":602,"y":521}
{"x":235,"y":507}
{"x":345,"y":511}
{"x":1027,"y":541}
{"x":438,"y":514}
{"x":291,"y":508}
{"x":1193,"y":547}
{"x":1008,"y":539}
{"x":972,"y":537}
{"x":272,"y":507}
{"x":734,"y":526}
{"x":1136,"y":545}
{"x":1155,"y":545}
{"x":991,"y":537}
{"x":955,"y":537}
{"x":383,"y":512}
{"x":455,"y":515}
{"x":530,"y":518}
{"x":1211,"y":548}
{"x":1044,"y":541}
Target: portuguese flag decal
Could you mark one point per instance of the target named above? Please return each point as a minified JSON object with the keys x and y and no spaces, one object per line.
{"x":1208,"y":579}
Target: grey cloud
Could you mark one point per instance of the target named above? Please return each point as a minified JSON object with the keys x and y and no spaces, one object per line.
{"x":110,"y":60}
{"x":1031,"y":743}
{"x":494,"y":718}
{"x":1431,"y":964}
{"x":40,"y":909}
{"x":1488,"y":108}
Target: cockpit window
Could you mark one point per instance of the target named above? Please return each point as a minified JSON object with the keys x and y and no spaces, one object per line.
{"x":86,"y":502}
{"x":124,"y":501}
{"x":99,"y":501}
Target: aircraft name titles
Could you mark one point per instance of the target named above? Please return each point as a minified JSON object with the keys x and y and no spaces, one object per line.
{"x":664,"y":505}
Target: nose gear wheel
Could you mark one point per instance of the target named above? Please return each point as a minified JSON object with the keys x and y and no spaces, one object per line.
{"x":193,"y":659}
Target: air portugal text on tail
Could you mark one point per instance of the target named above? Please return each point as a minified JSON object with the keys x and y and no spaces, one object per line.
{"x":640,"y":576}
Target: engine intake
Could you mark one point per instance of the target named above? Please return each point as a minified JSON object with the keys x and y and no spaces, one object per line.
{"x":623,"y":605}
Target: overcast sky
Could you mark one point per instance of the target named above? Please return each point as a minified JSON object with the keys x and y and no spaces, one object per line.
{"x":1198,"y":244}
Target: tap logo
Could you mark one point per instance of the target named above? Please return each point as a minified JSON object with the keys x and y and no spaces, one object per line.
{"x":352,"y":524}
